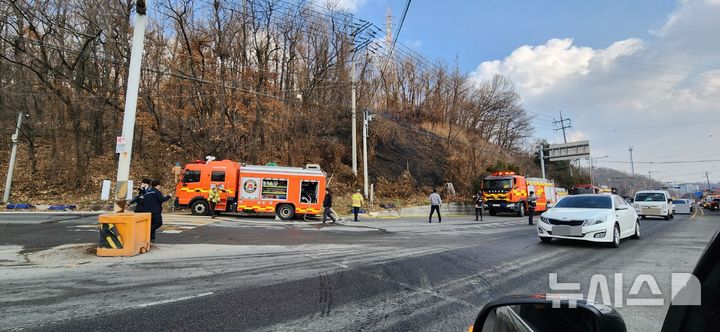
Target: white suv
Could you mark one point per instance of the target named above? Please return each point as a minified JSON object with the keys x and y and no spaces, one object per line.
{"x":653,"y":203}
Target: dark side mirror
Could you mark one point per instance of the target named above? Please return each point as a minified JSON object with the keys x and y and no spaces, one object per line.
{"x":540,"y":313}
{"x":669,"y":200}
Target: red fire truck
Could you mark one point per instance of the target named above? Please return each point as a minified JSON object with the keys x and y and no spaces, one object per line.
{"x":285,"y":191}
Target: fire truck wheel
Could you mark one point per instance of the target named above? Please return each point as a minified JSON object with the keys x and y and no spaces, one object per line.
{"x":492,"y":212}
{"x":521,"y":212}
{"x":285,"y":211}
{"x":200,"y":208}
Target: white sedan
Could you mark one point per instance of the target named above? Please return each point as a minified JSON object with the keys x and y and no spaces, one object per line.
{"x":596,"y":218}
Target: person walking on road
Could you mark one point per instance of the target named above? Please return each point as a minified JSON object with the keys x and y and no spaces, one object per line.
{"x":213,"y":199}
{"x":478,"y":198}
{"x":435,"y":203}
{"x":327,"y":207}
{"x":357,"y":203}
{"x":153,"y":201}
{"x":531,"y":204}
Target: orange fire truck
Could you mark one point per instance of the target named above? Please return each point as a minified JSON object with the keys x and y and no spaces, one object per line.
{"x":508,"y":192}
{"x":285,"y":191}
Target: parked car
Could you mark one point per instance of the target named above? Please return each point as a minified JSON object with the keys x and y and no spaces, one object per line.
{"x":653,"y":203}
{"x":550,"y":312}
{"x":595,"y":218}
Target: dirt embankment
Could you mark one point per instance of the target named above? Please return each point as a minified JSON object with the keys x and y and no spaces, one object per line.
{"x":406,"y":162}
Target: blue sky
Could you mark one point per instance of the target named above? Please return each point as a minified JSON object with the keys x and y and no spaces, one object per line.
{"x":476,"y":31}
{"x":640,"y":73}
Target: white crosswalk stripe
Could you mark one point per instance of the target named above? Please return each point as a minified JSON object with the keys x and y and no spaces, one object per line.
{"x":177,"y":223}
{"x":172,"y":224}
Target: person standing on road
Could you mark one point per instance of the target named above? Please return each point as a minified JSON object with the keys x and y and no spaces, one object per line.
{"x":140,"y":207}
{"x":531,"y":202}
{"x":154,"y":200}
{"x":176,"y":172}
{"x":435,"y":203}
{"x":327,"y":207}
{"x":357,"y":203}
{"x":213,"y":199}
{"x":478,"y":198}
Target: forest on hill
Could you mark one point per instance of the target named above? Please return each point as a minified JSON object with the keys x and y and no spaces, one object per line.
{"x":255,"y":81}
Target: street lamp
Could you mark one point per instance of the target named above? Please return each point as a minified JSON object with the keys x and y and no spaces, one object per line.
{"x":592,"y":177}
{"x":650,"y":173}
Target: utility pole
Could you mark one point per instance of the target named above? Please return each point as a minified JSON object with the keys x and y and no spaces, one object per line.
{"x":632,"y":168}
{"x":366,"y":119}
{"x":707,"y":178}
{"x":542,"y":160}
{"x":562,"y":127}
{"x":13,"y":156}
{"x":124,"y":147}
{"x":353,"y":94}
{"x":354,"y":117}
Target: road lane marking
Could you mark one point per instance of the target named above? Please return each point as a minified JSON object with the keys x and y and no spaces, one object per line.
{"x":149,"y":304}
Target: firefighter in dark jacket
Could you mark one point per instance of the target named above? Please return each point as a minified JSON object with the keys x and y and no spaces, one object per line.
{"x":327,"y":207}
{"x":479,"y":205}
{"x":144,"y":186}
{"x":153,"y":201}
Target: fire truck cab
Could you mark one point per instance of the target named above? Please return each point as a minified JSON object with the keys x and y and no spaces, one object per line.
{"x":285,"y":191}
{"x":508,"y":192}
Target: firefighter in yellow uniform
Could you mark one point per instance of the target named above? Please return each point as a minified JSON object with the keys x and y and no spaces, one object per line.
{"x":357,"y":203}
{"x":213,"y":199}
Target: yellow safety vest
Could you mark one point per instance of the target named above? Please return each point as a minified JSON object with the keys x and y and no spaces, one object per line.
{"x":214,"y":196}
{"x":357,"y":200}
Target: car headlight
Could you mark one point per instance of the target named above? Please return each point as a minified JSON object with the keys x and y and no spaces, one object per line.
{"x":543,"y":219}
{"x":591,"y":222}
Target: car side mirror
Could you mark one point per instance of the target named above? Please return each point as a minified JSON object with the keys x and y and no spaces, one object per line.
{"x":541,"y":312}
{"x":669,"y":200}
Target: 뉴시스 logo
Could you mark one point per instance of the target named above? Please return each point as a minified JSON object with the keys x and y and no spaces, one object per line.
{"x":250,"y":186}
{"x":685,"y":290}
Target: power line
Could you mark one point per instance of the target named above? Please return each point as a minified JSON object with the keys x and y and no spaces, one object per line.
{"x":661,"y":162}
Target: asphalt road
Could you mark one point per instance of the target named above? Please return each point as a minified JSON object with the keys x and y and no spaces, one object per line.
{"x":265,"y":275}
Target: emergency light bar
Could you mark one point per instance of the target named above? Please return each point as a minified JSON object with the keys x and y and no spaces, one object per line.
{"x":503,"y":173}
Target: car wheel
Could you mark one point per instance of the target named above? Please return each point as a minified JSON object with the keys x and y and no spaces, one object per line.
{"x":667,"y":217}
{"x":200,"y":208}
{"x":637,"y":230}
{"x":285,"y":211}
{"x":672,"y":216}
{"x":545,"y":239}
{"x":616,"y":237}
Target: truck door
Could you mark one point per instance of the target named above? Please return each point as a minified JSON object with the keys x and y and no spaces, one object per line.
{"x":217,"y":177}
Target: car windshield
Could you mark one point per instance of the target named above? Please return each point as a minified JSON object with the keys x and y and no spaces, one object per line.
{"x":587,"y":202}
{"x":650,"y":197}
{"x":498,"y":184}
{"x":680,"y":201}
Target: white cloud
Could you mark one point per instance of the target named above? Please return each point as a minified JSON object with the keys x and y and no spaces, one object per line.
{"x":344,"y":5}
{"x":658,"y":95}
{"x":538,"y":68}
{"x":577,"y":135}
